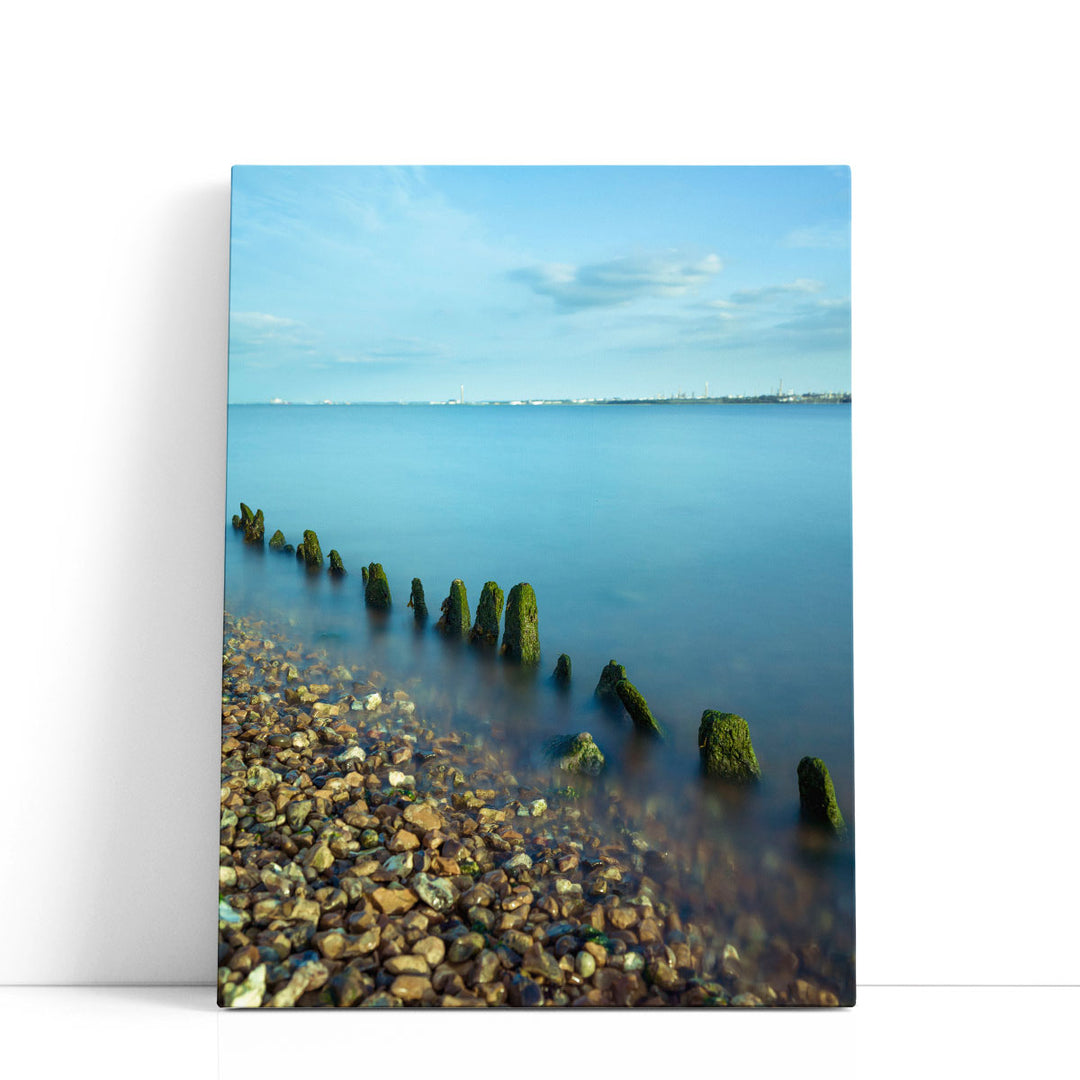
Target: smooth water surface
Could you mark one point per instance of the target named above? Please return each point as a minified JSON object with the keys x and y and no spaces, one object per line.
{"x":705,"y":547}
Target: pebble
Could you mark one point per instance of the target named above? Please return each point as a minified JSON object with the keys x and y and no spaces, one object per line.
{"x":585,"y":964}
{"x":399,"y":865}
{"x":252,"y":991}
{"x":432,"y":949}
{"x":464,"y":948}
{"x":393,"y":901}
{"x":407,"y":964}
{"x":436,"y":892}
{"x":410,"y":987}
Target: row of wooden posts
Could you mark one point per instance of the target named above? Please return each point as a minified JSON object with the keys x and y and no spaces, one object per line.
{"x":724,"y":740}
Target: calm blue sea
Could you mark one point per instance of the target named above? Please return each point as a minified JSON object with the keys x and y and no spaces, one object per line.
{"x":707,"y":548}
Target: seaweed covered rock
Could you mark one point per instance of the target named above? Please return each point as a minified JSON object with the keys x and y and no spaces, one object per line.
{"x":562,"y":669}
{"x":288,"y":549}
{"x":247,"y":516}
{"x":817,"y":797}
{"x":313,"y":556}
{"x":364,"y":574}
{"x":576,"y":754}
{"x":638,"y":708}
{"x":417,"y":601}
{"x":488,"y":614}
{"x":610,"y":677}
{"x":454,"y":620}
{"x":236,"y":522}
{"x":300,"y":552}
{"x":277,"y":541}
{"x":726,"y":750}
{"x":337,"y":567}
{"x":377,"y":589}
{"x":521,"y":634}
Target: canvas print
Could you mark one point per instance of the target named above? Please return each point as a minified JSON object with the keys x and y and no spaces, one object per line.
{"x":537,"y":649}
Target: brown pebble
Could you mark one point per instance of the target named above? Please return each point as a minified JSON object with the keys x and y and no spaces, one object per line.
{"x":432,"y":949}
{"x":403,"y":840}
{"x":407,"y":964}
{"x":394,"y":901}
{"x":622,"y":918}
{"x":410,"y":987}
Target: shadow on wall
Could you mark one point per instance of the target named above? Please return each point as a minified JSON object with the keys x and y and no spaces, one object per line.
{"x":143,"y":907}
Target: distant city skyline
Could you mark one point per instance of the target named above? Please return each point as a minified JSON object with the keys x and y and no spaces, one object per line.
{"x":409,"y":284}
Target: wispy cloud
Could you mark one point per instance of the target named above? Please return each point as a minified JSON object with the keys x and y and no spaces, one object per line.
{"x":617,"y":281}
{"x":267,"y":335}
{"x":394,"y":351}
{"x":820,"y":236}
{"x":774,"y":292}
{"x":261,"y":320}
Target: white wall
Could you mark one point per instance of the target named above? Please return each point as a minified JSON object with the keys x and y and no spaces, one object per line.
{"x":121,"y":123}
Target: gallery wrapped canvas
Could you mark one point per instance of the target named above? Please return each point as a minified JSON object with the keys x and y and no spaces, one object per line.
{"x":537,"y":650}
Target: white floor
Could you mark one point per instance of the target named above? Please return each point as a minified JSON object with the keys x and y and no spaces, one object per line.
{"x":164,"y":1032}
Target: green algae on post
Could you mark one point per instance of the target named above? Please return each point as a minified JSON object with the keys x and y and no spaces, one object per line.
{"x":725,"y":747}
{"x":313,"y":556}
{"x":277,"y":541}
{"x":454,"y":620}
{"x":817,"y":797}
{"x":638,"y":708}
{"x":253,"y":525}
{"x":610,"y":677}
{"x":337,"y":567}
{"x":417,"y":601}
{"x":521,"y":635}
{"x":562,"y":669}
{"x":377,"y":589}
{"x":488,"y":614}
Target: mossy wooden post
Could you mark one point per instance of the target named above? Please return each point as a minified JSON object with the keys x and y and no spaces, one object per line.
{"x":638,"y":708}
{"x":562,"y":669}
{"x":417,"y":601}
{"x":817,"y":797}
{"x":253,"y":525}
{"x":521,"y":636}
{"x":725,"y":747}
{"x":337,"y":567}
{"x":313,"y":556}
{"x":454,"y":621}
{"x":610,"y":677}
{"x":488,"y":614}
{"x":377,"y":589}
{"x":277,"y":541}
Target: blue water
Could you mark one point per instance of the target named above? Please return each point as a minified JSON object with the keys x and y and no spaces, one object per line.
{"x":706,"y":547}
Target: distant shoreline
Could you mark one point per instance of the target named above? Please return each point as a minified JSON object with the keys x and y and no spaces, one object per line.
{"x":756,"y":399}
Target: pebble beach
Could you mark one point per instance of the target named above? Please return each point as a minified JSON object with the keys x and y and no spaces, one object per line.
{"x":372,"y":855}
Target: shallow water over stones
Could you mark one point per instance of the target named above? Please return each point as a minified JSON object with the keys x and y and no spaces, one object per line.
{"x":358,"y":831}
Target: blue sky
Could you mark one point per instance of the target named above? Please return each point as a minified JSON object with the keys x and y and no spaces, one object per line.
{"x":400,"y":284}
